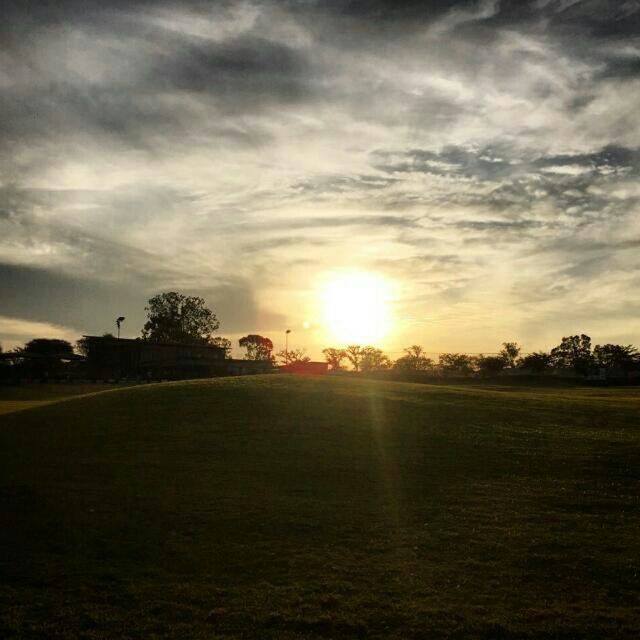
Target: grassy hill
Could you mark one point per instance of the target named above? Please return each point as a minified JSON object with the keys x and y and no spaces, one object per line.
{"x":16,"y":397}
{"x":280,"y":507}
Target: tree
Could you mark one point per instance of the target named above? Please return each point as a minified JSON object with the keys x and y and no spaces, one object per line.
{"x":616,"y":356}
{"x":44,"y":356}
{"x":456,"y":363}
{"x":374,"y":360}
{"x":292,"y":355}
{"x":574,"y":352}
{"x":354,"y":354}
{"x":538,"y":362}
{"x":174,"y":317}
{"x":47,"y":348}
{"x":490,"y":365}
{"x":414,"y":360}
{"x":223,"y":343}
{"x":258,"y":347}
{"x":509,"y":353}
{"x":334,"y":358}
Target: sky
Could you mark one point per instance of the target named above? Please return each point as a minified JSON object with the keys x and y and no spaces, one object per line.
{"x":479,"y":158}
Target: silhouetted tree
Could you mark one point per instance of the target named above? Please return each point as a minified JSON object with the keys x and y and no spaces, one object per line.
{"x":509,"y":353}
{"x":490,"y":365}
{"x":44,"y":356}
{"x":374,"y":360}
{"x":354,"y":355}
{"x":456,"y":363}
{"x":223,"y":343}
{"x":616,"y":356}
{"x":174,"y":317}
{"x":414,"y":360}
{"x":334,"y":357}
{"x":574,"y":352}
{"x":258,"y":347}
{"x":292,"y":355}
{"x":539,"y":362}
{"x":48,"y":348}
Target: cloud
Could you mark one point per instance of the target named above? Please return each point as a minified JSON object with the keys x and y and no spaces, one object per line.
{"x":483,"y":153}
{"x":15,"y":332}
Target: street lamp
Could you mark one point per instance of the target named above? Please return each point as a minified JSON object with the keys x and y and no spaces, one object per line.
{"x":119,"y":321}
{"x":286,"y":346}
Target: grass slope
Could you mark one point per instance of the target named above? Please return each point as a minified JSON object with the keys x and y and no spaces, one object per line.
{"x":280,"y":507}
{"x":26,"y":396}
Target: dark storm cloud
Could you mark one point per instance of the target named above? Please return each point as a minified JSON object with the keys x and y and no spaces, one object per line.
{"x":583,"y":18}
{"x":249,"y":66}
{"x":44,"y":295}
{"x":243,"y":75}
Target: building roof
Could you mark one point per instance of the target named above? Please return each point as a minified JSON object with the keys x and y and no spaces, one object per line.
{"x":137,"y":341}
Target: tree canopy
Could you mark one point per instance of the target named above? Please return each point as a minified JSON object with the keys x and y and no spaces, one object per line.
{"x":456,"y":363}
{"x":574,"y":352}
{"x":414,"y":360}
{"x":354,"y":355}
{"x":223,"y":343}
{"x":490,"y":365}
{"x":174,"y":317}
{"x":509,"y":353}
{"x":48,"y":348}
{"x":616,"y":356}
{"x":334,"y":357}
{"x":291,"y":356}
{"x":258,"y":347}
{"x":538,"y":362}
{"x":374,"y":359}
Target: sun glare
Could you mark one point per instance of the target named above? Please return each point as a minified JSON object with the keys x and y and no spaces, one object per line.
{"x":356,"y":308}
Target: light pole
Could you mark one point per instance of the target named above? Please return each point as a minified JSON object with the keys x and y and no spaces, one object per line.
{"x":119,"y":321}
{"x":286,"y":346}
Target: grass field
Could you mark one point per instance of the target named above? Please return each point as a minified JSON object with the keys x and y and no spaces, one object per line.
{"x":26,"y":396}
{"x":280,"y":507}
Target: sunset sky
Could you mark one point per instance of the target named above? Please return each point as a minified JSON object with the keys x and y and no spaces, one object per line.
{"x":479,"y":161}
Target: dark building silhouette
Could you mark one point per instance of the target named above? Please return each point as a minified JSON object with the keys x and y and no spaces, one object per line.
{"x":306,"y":368}
{"x":113,"y":358}
{"x":235,"y":367}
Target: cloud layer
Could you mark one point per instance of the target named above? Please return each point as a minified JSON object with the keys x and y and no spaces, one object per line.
{"x":482,"y":155}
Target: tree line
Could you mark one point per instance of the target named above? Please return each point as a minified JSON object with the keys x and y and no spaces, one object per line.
{"x":574,"y":353}
{"x":175,"y":317}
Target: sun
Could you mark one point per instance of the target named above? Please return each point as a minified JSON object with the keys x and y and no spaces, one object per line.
{"x":356,"y":307}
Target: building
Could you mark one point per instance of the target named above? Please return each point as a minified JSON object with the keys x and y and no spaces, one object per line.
{"x":306,"y":368}
{"x":109,"y":358}
{"x":235,"y":367}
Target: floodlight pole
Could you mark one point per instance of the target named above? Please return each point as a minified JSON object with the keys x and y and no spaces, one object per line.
{"x":286,"y":346}
{"x":118,"y":323}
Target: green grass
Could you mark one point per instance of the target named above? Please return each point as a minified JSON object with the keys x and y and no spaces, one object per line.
{"x":281,"y":507}
{"x":16,"y":397}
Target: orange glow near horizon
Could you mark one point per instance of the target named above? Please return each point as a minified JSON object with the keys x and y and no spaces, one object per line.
{"x":356,"y":308}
